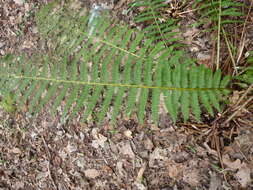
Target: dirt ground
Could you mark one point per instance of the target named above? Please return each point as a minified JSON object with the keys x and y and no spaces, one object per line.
{"x":43,"y":153}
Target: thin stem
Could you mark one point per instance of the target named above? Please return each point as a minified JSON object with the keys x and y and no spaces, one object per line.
{"x":229,"y":50}
{"x":218,"y":38}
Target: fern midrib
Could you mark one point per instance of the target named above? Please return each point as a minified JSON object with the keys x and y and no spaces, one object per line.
{"x":74,"y":82}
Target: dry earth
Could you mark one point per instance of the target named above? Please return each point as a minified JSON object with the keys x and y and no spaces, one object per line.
{"x":43,"y":153}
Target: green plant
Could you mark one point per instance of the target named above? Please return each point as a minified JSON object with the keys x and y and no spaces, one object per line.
{"x":114,"y":67}
{"x":2,"y":162}
{"x":7,"y":103}
{"x":219,"y":13}
{"x":246,"y":75}
{"x":7,"y":98}
{"x":212,"y":11}
{"x":159,"y":28}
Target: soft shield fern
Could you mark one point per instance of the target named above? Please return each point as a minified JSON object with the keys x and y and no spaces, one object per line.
{"x":114,"y":69}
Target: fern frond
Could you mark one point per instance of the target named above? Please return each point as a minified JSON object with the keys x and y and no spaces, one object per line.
{"x":113,"y":68}
{"x":158,"y":28}
{"x":209,"y":11}
{"x":174,"y":94}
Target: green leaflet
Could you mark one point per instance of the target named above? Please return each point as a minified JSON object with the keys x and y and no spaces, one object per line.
{"x":156,"y":93}
{"x":194,"y":94}
{"x":204,"y":94}
{"x":185,"y":99}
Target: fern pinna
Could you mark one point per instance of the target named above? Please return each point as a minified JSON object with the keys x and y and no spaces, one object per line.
{"x":115,"y":68}
{"x":158,"y":28}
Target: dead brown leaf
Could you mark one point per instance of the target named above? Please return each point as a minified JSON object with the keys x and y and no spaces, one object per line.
{"x":243,"y":175}
{"x":175,"y":170}
{"x":91,"y":173}
{"x":126,"y":149}
{"x":231,"y":164}
{"x":15,"y":150}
